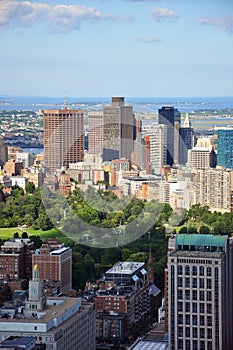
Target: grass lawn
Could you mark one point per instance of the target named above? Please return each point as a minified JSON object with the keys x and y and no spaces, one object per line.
{"x":8,"y":233}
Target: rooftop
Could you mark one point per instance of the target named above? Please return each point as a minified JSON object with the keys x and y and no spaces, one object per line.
{"x":201,"y":242}
{"x":126,"y":267}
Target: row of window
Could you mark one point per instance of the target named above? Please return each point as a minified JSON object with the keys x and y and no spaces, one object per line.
{"x":202,"y":295}
{"x":203,"y":308}
{"x":196,"y":282}
{"x":187,"y":270}
{"x":196,"y":345}
{"x":194,"y":319}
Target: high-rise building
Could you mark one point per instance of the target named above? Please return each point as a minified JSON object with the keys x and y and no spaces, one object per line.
{"x":214,"y":188}
{"x":63,"y":137}
{"x":3,"y":152}
{"x":157,"y":134}
{"x":202,"y":157}
{"x":200,"y":274}
{"x":186,"y":140}
{"x":95,"y":132}
{"x":55,"y":265}
{"x":119,"y":131}
{"x":170,"y":117}
{"x":225,"y":148}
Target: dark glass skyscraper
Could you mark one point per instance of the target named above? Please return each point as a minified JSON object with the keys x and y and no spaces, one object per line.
{"x":186,"y":140}
{"x":171,"y":117}
{"x":225,"y":148}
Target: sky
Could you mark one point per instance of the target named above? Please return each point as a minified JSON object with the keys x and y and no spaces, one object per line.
{"x":131,"y":48}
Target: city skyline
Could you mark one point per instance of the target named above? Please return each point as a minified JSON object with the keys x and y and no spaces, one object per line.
{"x":121,"y":48}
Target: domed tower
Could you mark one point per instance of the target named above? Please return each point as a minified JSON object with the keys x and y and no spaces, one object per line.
{"x":36,"y":300}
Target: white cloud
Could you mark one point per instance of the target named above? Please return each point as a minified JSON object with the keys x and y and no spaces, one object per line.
{"x":60,"y":18}
{"x":225,"y":23}
{"x":161,"y":14}
{"x":149,"y":40}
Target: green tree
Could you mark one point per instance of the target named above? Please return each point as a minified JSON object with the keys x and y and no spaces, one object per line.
{"x":30,"y":187}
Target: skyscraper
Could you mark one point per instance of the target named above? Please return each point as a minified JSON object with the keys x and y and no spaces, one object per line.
{"x":3,"y":152}
{"x":200,"y":296}
{"x":225,"y":148}
{"x":171,"y":117}
{"x":186,"y":140}
{"x":119,"y":131}
{"x":158,"y":145}
{"x":63,"y":137}
{"x":95,"y":132}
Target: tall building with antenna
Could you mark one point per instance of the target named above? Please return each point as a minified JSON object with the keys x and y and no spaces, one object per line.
{"x":63,"y":137}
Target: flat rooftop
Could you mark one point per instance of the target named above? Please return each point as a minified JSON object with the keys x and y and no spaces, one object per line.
{"x":126,"y":267}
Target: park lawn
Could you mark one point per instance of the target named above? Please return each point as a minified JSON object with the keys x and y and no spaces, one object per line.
{"x":8,"y":233}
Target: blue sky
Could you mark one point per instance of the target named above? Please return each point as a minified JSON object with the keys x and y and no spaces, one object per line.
{"x":116,"y":47}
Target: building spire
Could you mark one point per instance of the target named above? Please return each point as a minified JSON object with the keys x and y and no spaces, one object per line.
{"x":187,"y":121}
{"x":65,"y":100}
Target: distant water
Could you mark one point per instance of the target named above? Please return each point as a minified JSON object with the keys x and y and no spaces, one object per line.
{"x":140,"y":104}
{"x":34,"y":150}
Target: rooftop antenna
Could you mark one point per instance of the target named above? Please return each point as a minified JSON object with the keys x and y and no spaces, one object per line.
{"x":65,"y":101}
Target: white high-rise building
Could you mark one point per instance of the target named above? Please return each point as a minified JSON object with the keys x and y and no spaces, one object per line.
{"x":158,"y":145}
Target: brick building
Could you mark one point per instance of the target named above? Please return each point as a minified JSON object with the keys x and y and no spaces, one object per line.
{"x":55,"y":265}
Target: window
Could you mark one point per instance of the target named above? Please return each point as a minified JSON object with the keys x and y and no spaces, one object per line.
{"x":194,"y":271}
{"x":187,"y":282}
{"x":202,"y":295}
{"x":180,"y":344}
{"x":209,"y":321}
{"x":209,"y":295}
{"x":202,"y":332}
{"x":187,"y":295}
{"x":194,"y":332}
{"x":201,"y":282}
{"x":194,"y":282}
{"x":187,"y":344}
{"x":195,"y":346}
{"x":194,"y":307}
{"x":187,"y":332}
{"x":187,"y":319}
{"x":208,"y":283}
{"x":201,"y":270}
{"x":209,"y":333}
{"x":187,"y":270}
{"x":180,"y":306}
{"x":194,"y":320}
{"x":180,"y":319}
{"x":180,"y":294}
{"x":187,"y":307}
{"x":180,"y":282}
{"x":194,"y":295}
{"x":202,"y":320}
{"x":209,"y":345}
{"x":202,"y":345}
{"x":180,"y":270}
{"x":180,"y":332}
{"x":202,"y":308}
{"x":209,"y":308}
{"x":208,"y":271}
